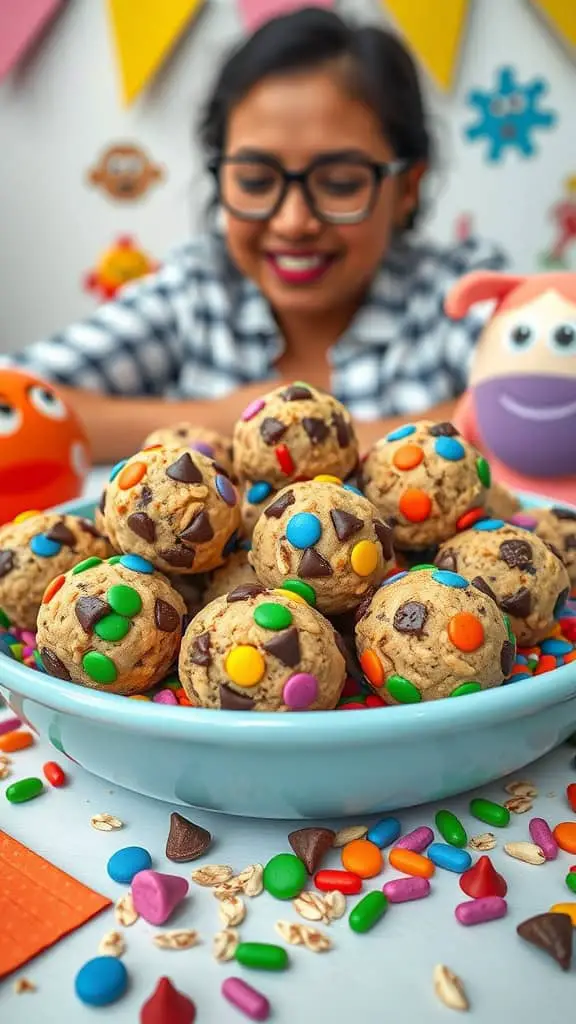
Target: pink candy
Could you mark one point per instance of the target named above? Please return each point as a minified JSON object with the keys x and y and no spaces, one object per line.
{"x":165,"y":697}
{"x":418,"y":840}
{"x":300,"y":691}
{"x":401,"y":890}
{"x":542,"y":836}
{"x":9,"y":725}
{"x":489,"y":908}
{"x":156,"y":896}
{"x":245,"y":998}
{"x":253,"y":409}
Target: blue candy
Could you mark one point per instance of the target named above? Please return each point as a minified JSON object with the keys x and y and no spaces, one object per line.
{"x":42,"y":546}
{"x":226,"y":490}
{"x":303,"y":530}
{"x":489,"y":524}
{"x":393,"y":579}
{"x":355,"y":490}
{"x":451,"y":858}
{"x":116,"y":469}
{"x":126,"y":863}
{"x":521,"y":659}
{"x":245,"y":545}
{"x":101,"y":981}
{"x":554,"y":646}
{"x":449,"y":448}
{"x":136,"y":563}
{"x":259,"y":492}
{"x":518,"y":677}
{"x":384,"y":832}
{"x":450,"y":579}
{"x":230,"y":544}
{"x":400,"y":432}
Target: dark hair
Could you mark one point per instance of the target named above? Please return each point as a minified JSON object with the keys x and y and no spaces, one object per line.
{"x":379,"y":69}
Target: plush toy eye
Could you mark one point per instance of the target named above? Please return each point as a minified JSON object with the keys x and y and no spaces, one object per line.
{"x":520,"y":337}
{"x":563,"y":339}
{"x":10,"y":418}
{"x":46,"y":402}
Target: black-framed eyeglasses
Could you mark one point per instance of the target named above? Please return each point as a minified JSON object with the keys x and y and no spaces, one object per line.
{"x":338,"y":189}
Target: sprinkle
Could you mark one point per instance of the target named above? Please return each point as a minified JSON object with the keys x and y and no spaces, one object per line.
{"x":246,"y":999}
{"x":403,"y":890}
{"x":284,"y":459}
{"x":372,"y":668}
{"x":10,"y":742}
{"x":418,"y":840}
{"x":88,"y":563}
{"x":252,"y":410}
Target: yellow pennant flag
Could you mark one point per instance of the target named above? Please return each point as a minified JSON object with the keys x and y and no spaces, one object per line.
{"x":145,"y":31}
{"x":433,"y":29}
{"x":561,"y":14}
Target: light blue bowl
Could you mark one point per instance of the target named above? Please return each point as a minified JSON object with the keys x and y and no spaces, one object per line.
{"x":321,"y":764}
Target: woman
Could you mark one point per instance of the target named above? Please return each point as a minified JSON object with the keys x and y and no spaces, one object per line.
{"x":318,"y":142}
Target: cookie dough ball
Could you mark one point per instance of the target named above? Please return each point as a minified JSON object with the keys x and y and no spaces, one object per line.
{"x":294,"y":433}
{"x":234,"y":573}
{"x":501,"y":503}
{"x":527,"y":579}
{"x":199,"y":439}
{"x":34,"y":549}
{"x":426,"y":478}
{"x":255,"y":498}
{"x":258,"y":650}
{"x":556,"y":526}
{"x":324,"y":538}
{"x":174,"y":507}
{"x":113,"y":625}
{"x":191,"y":590}
{"x":428,"y":634}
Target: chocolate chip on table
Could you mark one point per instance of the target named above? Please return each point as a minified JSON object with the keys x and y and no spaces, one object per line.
{"x":186,"y":840}
{"x":563,"y":513}
{"x":443,"y":430}
{"x":385,"y":533}
{"x":296,"y":393}
{"x":311,"y":845}
{"x":277,"y":509}
{"x":313,"y":565}
{"x":143,"y":526}
{"x":552,"y":933}
{"x":285,"y":646}
{"x":507,"y":655}
{"x":61,"y":534}
{"x":480,"y":583}
{"x":410,"y":618}
{"x":184,"y":471}
{"x":342,"y":430}
{"x":6,"y":562}
{"x":232,"y":701}
{"x":271,"y":430}
{"x":344,"y":523}
{"x":518,"y":604}
{"x":89,"y":610}
{"x":53,"y":665}
{"x":201,"y":650}
{"x":166,"y":617}
{"x":447,"y":559}
{"x":244,"y":591}
{"x":180,"y":558}
{"x":316,"y":429}
{"x":199,"y":530}
{"x":517,"y":554}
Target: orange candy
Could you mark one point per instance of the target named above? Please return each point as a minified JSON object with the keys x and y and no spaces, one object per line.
{"x":546,"y":663}
{"x":466,"y":632}
{"x":565,"y":835}
{"x":411,"y":863}
{"x":415,"y":505}
{"x":53,"y":588}
{"x":131,"y":475}
{"x":469,"y":518}
{"x":362,"y":858}
{"x":151,"y":447}
{"x":372,"y":668}
{"x":408,"y":456}
{"x":16,"y":740}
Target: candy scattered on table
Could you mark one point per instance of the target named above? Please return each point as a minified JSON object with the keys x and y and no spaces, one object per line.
{"x":246,"y":999}
{"x":311,"y":845}
{"x":551,"y":933}
{"x":156,"y":896}
{"x":482,"y":880}
{"x":167,"y":1005}
{"x":23,"y":790}
{"x":368,"y":911}
{"x":262,"y":956}
{"x":478,"y":911}
{"x":101,"y":981}
{"x":186,"y":841}
{"x":284,"y":876}
{"x":126,"y":863}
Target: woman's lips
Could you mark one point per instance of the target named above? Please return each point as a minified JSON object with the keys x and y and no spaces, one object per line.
{"x":292,"y":268}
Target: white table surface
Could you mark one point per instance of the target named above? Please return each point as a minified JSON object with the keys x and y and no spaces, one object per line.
{"x":383,"y":976}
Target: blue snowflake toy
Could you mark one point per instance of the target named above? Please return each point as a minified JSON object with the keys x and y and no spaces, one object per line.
{"x":509,"y":114}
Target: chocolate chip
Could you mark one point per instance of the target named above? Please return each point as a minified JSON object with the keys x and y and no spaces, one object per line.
{"x":345,"y":524}
{"x":443,"y":430}
{"x":186,"y":841}
{"x":516,"y":553}
{"x":145,"y":496}
{"x":166,"y":617}
{"x":277,"y":509}
{"x":507,"y":657}
{"x":480,"y":583}
{"x":271,"y":430}
{"x":201,"y":651}
{"x":6,"y":562}
{"x":553,"y":549}
{"x":561,"y":601}
{"x":62,"y":535}
{"x":53,"y":665}
{"x":342,"y":430}
{"x":311,"y":845}
{"x":232,"y":701}
{"x":285,"y":646}
{"x":553,"y":933}
{"x":563,"y":513}
{"x":219,"y":468}
{"x":570,"y":541}
{"x":517,"y":604}
{"x":313,"y":564}
{"x":185,"y":471}
{"x":200,"y":529}
{"x":102,"y":504}
{"x":144,"y":527}
{"x":180,"y":558}
{"x":364,"y":605}
{"x":316,"y":429}
{"x":447,"y":559}
{"x":89,"y":610}
{"x":244,"y":591}
{"x":296,"y":393}
{"x":87,"y":526}
{"x":384,"y":533}
{"x":410,"y":618}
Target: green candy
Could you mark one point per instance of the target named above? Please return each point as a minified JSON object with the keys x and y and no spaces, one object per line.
{"x":451,"y":828}
{"x":263,"y":956}
{"x":23,"y":790}
{"x":403,"y":690}
{"x":509,"y":630}
{"x":491,"y":813}
{"x":112,"y":628}
{"x":4,"y":620}
{"x":465,"y":688}
{"x":99,"y":667}
{"x":301,"y":588}
{"x":124,"y":600}
{"x":483,"y":471}
{"x":571,"y":880}
{"x":272,"y":616}
{"x":88,"y":563}
{"x":425,"y":565}
{"x":368,"y":911}
{"x":285,"y":876}
{"x":114,"y":559}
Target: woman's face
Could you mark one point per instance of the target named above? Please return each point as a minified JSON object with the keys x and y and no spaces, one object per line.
{"x":296,"y":119}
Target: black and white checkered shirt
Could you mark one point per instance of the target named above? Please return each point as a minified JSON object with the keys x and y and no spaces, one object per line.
{"x":198,"y":329}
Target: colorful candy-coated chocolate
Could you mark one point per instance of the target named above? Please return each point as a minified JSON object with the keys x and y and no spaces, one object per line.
{"x":127,"y":862}
{"x":285,"y":876}
{"x":451,"y":828}
{"x":342,"y":881}
{"x":258,"y":492}
{"x":167,"y":1005}
{"x":9,"y":725}
{"x":23,"y":790}
{"x":490,"y":812}
{"x":54,"y":774}
{"x":263,"y":956}
{"x":246,"y":999}
{"x":10,"y":742}
{"x":565,"y":836}
{"x":402,"y":890}
{"x":384,"y":832}
{"x":541,"y":834}
{"x":571,"y":881}
{"x":418,"y":840}
{"x":451,"y":858}
{"x":488,"y":908}
{"x":368,"y":911}
{"x":482,"y":880}
{"x":157,"y":895}
{"x":405,"y":431}
{"x":252,"y":410}
{"x":571,"y":795}
{"x":565,"y":908}
{"x":300,"y":690}
{"x":362,"y":858}
{"x":410,"y":863}
{"x":101,"y":981}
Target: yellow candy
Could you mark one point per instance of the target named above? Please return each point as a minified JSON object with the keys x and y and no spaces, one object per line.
{"x":245,"y":665}
{"x":290,"y":595}
{"x":26,"y":515}
{"x":364,"y":557}
{"x":326,"y":478}
{"x":565,"y":908}
{"x":138,"y":696}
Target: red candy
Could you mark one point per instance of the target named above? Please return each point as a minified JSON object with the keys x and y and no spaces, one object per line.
{"x":469,"y":518}
{"x":54,"y":774}
{"x":284,"y":459}
{"x":483,"y":880}
{"x":342,"y":881}
{"x":571,"y":794}
{"x":167,"y":1006}
{"x":568,"y":627}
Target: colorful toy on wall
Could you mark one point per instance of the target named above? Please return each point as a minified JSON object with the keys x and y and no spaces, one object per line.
{"x":44,"y":453}
{"x":520,"y":408}
{"x":125,"y":172}
{"x":509,"y":114}
{"x":122,"y":263}
{"x":564,"y":216}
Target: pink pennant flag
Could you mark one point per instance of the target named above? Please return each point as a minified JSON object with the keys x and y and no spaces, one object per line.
{"x":21,"y":21}
{"x":255,"y":12}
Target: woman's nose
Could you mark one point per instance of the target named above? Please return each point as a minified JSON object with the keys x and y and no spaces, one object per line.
{"x":295,"y":218}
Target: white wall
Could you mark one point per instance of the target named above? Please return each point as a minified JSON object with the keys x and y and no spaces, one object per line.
{"x":62,"y":107}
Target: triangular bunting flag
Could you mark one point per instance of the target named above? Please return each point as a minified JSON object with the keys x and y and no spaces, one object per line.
{"x":255,"y":12}
{"x":561,"y":15}
{"x":21,"y":21}
{"x":145,"y":31}
{"x":433,"y":31}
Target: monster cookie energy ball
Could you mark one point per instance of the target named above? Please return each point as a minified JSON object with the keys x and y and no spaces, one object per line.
{"x":199,"y":439}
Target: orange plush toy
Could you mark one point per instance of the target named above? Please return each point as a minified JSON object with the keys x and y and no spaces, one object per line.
{"x":44,"y":453}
